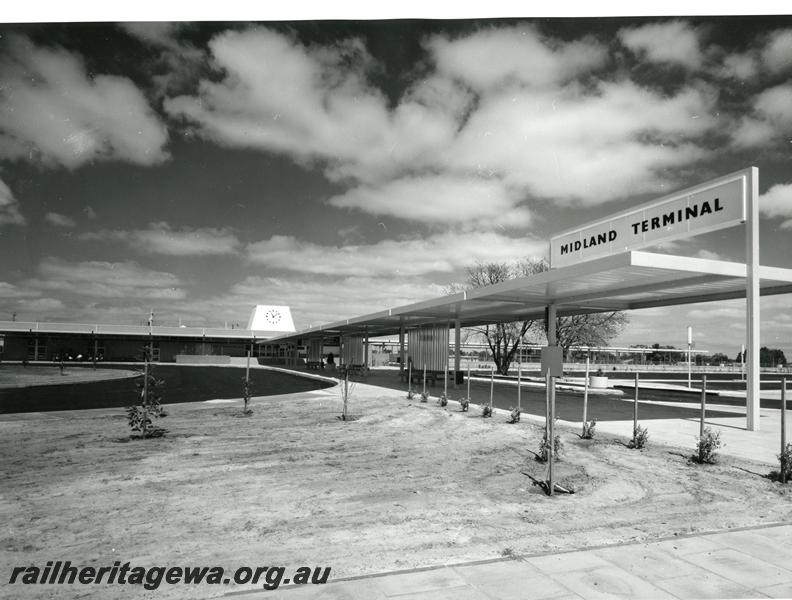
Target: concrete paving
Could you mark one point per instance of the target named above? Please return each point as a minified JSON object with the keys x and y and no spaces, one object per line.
{"x":746,"y":563}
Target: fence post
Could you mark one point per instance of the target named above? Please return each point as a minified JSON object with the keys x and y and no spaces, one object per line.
{"x":424,"y":379}
{"x":519,"y":376}
{"x":783,"y":430}
{"x":703,"y":415}
{"x":551,"y":438}
{"x":585,"y":397}
{"x":492,"y":386}
{"x":635,"y":409}
{"x":468,"y":381}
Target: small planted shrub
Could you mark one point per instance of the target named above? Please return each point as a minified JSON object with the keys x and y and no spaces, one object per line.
{"x":410,"y":394}
{"x":784,"y":474}
{"x":486,"y":411}
{"x":247,"y":387}
{"x":588,"y":429}
{"x":514,"y":415}
{"x":640,"y":437}
{"x":706,"y":447}
{"x":544,"y":446}
{"x":464,"y":404}
{"x":443,"y":400}
{"x":424,"y":396}
{"x":140,"y":416}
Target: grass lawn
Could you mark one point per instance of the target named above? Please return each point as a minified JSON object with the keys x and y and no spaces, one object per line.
{"x":403,"y":485}
{"x":82,"y":387}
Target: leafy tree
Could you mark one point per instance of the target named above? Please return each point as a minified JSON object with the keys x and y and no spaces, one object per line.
{"x":658,"y":356}
{"x":719,"y":358}
{"x":767,"y":356}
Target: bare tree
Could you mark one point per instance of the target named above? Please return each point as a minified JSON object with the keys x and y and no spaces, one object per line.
{"x":596,"y":329}
{"x":593,"y":329}
{"x":503,"y":339}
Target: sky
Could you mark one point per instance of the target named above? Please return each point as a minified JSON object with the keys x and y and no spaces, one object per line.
{"x":195,"y":169}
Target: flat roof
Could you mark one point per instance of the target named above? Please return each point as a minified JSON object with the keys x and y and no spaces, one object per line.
{"x":134,"y":330}
{"x":627,"y":281}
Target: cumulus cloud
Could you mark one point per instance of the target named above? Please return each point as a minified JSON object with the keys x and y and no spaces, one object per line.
{"x":59,"y":220}
{"x":777,"y":53}
{"x":592,"y":147}
{"x":771,"y":117}
{"x":101,"y":279}
{"x":52,"y":109}
{"x":439,"y":199}
{"x":312,"y":104}
{"x":675,"y":42}
{"x":777,"y":202}
{"x":161,"y":238}
{"x":9,"y":207}
{"x":177,"y":63}
{"x":11,"y":291}
{"x":739,"y":66}
{"x":514,"y":55}
{"x":524,"y":126}
{"x":442,"y":253}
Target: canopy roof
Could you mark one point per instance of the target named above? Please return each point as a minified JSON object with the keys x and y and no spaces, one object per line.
{"x":626,"y":281}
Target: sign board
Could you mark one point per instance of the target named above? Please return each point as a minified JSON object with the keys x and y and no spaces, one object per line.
{"x":553,"y":361}
{"x":717,"y":204}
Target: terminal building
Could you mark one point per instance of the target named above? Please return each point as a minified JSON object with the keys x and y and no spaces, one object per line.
{"x":35,"y":341}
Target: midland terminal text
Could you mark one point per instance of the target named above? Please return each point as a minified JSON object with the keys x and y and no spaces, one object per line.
{"x":675,"y":216}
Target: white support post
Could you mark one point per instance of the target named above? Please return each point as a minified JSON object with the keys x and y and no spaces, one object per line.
{"x":690,"y":346}
{"x":457,"y":345}
{"x":366,"y":352}
{"x":401,"y":348}
{"x":519,"y":375}
{"x":752,"y":299}
{"x":550,"y":326}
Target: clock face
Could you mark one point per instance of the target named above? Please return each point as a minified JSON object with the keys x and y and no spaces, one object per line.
{"x":272,"y":316}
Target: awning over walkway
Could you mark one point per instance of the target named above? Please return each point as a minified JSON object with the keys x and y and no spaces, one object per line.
{"x":627,"y":281}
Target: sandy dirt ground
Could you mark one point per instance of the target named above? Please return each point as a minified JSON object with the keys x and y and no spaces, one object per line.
{"x":403,"y":485}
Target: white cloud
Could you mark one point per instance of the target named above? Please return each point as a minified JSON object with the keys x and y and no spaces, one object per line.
{"x":752,"y":132}
{"x":52,"y":109}
{"x":514,"y":55}
{"x":161,"y":238}
{"x":59,"y":220}
{"x":777,"y":53}
{"x":442,"y":253}
{"x":161,"y":34}
{"x":674,"y":42}
{"x":771,"y":118}
{"x":777,"y":202}
{"x":739,"y":66}
{"x":312,"y":104}
{"x":11,"y":291}
{"x":439,"y":199}
{"x":100,"y":279}
{"x":526,"y":128}
{"x":591,"y":146}
{"x":9,"y":207}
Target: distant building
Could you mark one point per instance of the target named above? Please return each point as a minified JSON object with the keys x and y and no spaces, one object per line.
{"x":36,"y":341}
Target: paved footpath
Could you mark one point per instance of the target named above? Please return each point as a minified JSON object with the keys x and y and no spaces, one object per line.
{"x":745,"y":563}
